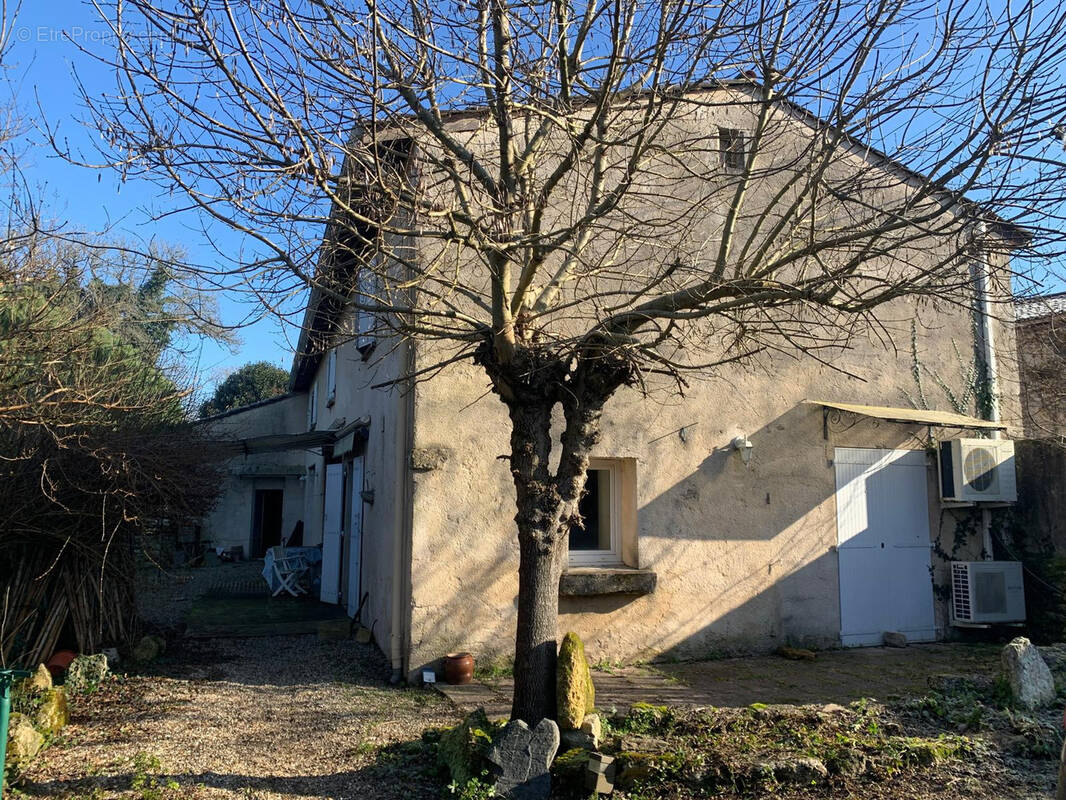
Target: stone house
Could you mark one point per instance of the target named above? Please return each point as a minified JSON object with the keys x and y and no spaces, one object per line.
{"x":796,"y":502}
{"x":1041,"y":338}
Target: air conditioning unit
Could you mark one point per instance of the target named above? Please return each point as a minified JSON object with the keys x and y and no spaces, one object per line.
{"x":987,"y":591}
{"x":974,"y":470}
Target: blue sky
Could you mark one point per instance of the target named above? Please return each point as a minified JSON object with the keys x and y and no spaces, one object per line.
{"x":40,"y":70}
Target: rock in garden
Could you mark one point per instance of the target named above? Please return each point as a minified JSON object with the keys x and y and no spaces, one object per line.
{"x":1030,"y":680}
{"x":112,"y":656}
{"x":576,"y":694}
{"x":521,"y":758}
{"x":797,"y":772}
{"x":894,"y":639}
{"x":832,"y":708}
{"x":577,"y":740}
{"x":52,"y":714}
{"x":462,"y":749}
{"x":40,"y":681}
{"x":147,"y":649}
{"x":85,"y":673}
{"x":801,"y":772}
{"x":593,"y":726}
{"x":796,"y":653}
{"x":23,"y":740}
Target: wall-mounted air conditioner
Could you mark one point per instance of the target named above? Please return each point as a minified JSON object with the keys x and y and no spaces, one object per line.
{"x":987,"y":591}
{"x":974,"y":470}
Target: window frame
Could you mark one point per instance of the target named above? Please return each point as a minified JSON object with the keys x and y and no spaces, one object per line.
{"x":739,"y":152}
{"x":331,"y":378}
{"x":613,"y":556}
{"x":312,"y":406}
{"x":367,"y":286}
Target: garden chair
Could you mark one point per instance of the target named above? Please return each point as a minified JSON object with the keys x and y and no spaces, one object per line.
{"x":289,"y":569}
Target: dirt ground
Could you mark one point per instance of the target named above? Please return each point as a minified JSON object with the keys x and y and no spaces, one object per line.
{"x":291,"y":718}
{"x":255,"y":719}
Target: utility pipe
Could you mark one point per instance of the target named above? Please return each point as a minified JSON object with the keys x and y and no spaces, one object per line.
{"x":984,"y":320}
{"x":986,"y":335}
{"x":7,"y":677}
{"x":401,"y":548}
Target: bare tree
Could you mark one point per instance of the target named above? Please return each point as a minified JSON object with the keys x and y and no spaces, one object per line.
{"x":585,"y":197}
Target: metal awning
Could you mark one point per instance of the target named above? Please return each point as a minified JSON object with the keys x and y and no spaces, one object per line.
{"x":915,"y":416}
{"x":293,"y":441}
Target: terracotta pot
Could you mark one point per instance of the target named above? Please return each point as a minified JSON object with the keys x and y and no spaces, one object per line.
{"x":458,"y":668}
{"x":59,"y":662}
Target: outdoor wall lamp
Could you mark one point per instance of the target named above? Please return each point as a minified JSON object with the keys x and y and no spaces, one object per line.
{"x":744,"y":446}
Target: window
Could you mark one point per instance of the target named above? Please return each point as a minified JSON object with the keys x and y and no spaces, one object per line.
{"x":731,"y":147}
{"x":600,"y":542}
{"x":331,"y":378}
{"x":312,"y":406}
{"x":364,"y":320}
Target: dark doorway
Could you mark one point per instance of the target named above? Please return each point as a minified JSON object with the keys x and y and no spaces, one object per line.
{"x":266,"y":521}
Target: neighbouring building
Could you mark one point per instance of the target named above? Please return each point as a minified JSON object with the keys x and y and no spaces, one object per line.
{"x":1041,"y":333}
{"x":795,"y":502}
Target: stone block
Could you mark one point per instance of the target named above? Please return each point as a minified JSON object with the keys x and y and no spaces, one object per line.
{"x":85,"y":673}
{"x":40,"y":681}
{"x":521,"y":758}
{"x":599,"y":776}
{"x":796,"y":653}
{"x":574,"y":690}
{"x":23,"y":741}
{"x":593,"y":726}
{"x":1030,"y":679}
{"x":147,"y":649}
{"x":575,"y":740}
{"x":462,"y":748}
{"x":53,"y":713}
{"x":596,"y":582}
{"x":894,"y":639}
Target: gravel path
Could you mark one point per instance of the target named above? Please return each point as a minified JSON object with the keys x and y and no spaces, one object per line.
{"x":256,"y":719}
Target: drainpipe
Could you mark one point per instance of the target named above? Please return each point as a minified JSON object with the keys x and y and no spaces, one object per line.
{"x":987,"y":355}
{"x":401,"y":551}
{"x":7,"y":677}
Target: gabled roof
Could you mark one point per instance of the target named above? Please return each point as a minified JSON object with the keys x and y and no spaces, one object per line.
{"x":250,"y":407}
{"x":1033,"y":308}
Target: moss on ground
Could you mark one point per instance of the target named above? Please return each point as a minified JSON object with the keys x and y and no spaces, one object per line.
{"x":665,"y":752}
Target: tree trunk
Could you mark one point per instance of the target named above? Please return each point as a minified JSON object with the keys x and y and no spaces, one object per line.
{"x":538,"y":622}
{"x":531,"y":384}
{"x":539,"y":564}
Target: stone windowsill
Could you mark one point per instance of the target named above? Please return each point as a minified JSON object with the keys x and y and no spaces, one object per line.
{"x":596,"y":581}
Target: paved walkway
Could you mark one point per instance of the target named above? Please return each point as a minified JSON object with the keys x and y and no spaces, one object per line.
{"x":835,"y":676}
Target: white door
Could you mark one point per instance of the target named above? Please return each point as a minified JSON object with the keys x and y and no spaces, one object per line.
{"x":332,"y":531}
{"x":883,"y":545}
{"x":355,"y":535}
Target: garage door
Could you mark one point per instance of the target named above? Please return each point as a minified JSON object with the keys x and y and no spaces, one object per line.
{"x":883,"y":545}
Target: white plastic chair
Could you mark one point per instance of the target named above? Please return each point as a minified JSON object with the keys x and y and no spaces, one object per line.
{"x":289,"y":569}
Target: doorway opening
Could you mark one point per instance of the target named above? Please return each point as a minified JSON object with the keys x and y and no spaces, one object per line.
{"x":266,"y":521}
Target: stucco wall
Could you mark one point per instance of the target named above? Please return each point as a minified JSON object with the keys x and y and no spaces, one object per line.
{"x":1041,"y":349}
{"x":745,"y":556}
{"x":385,"y":466}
